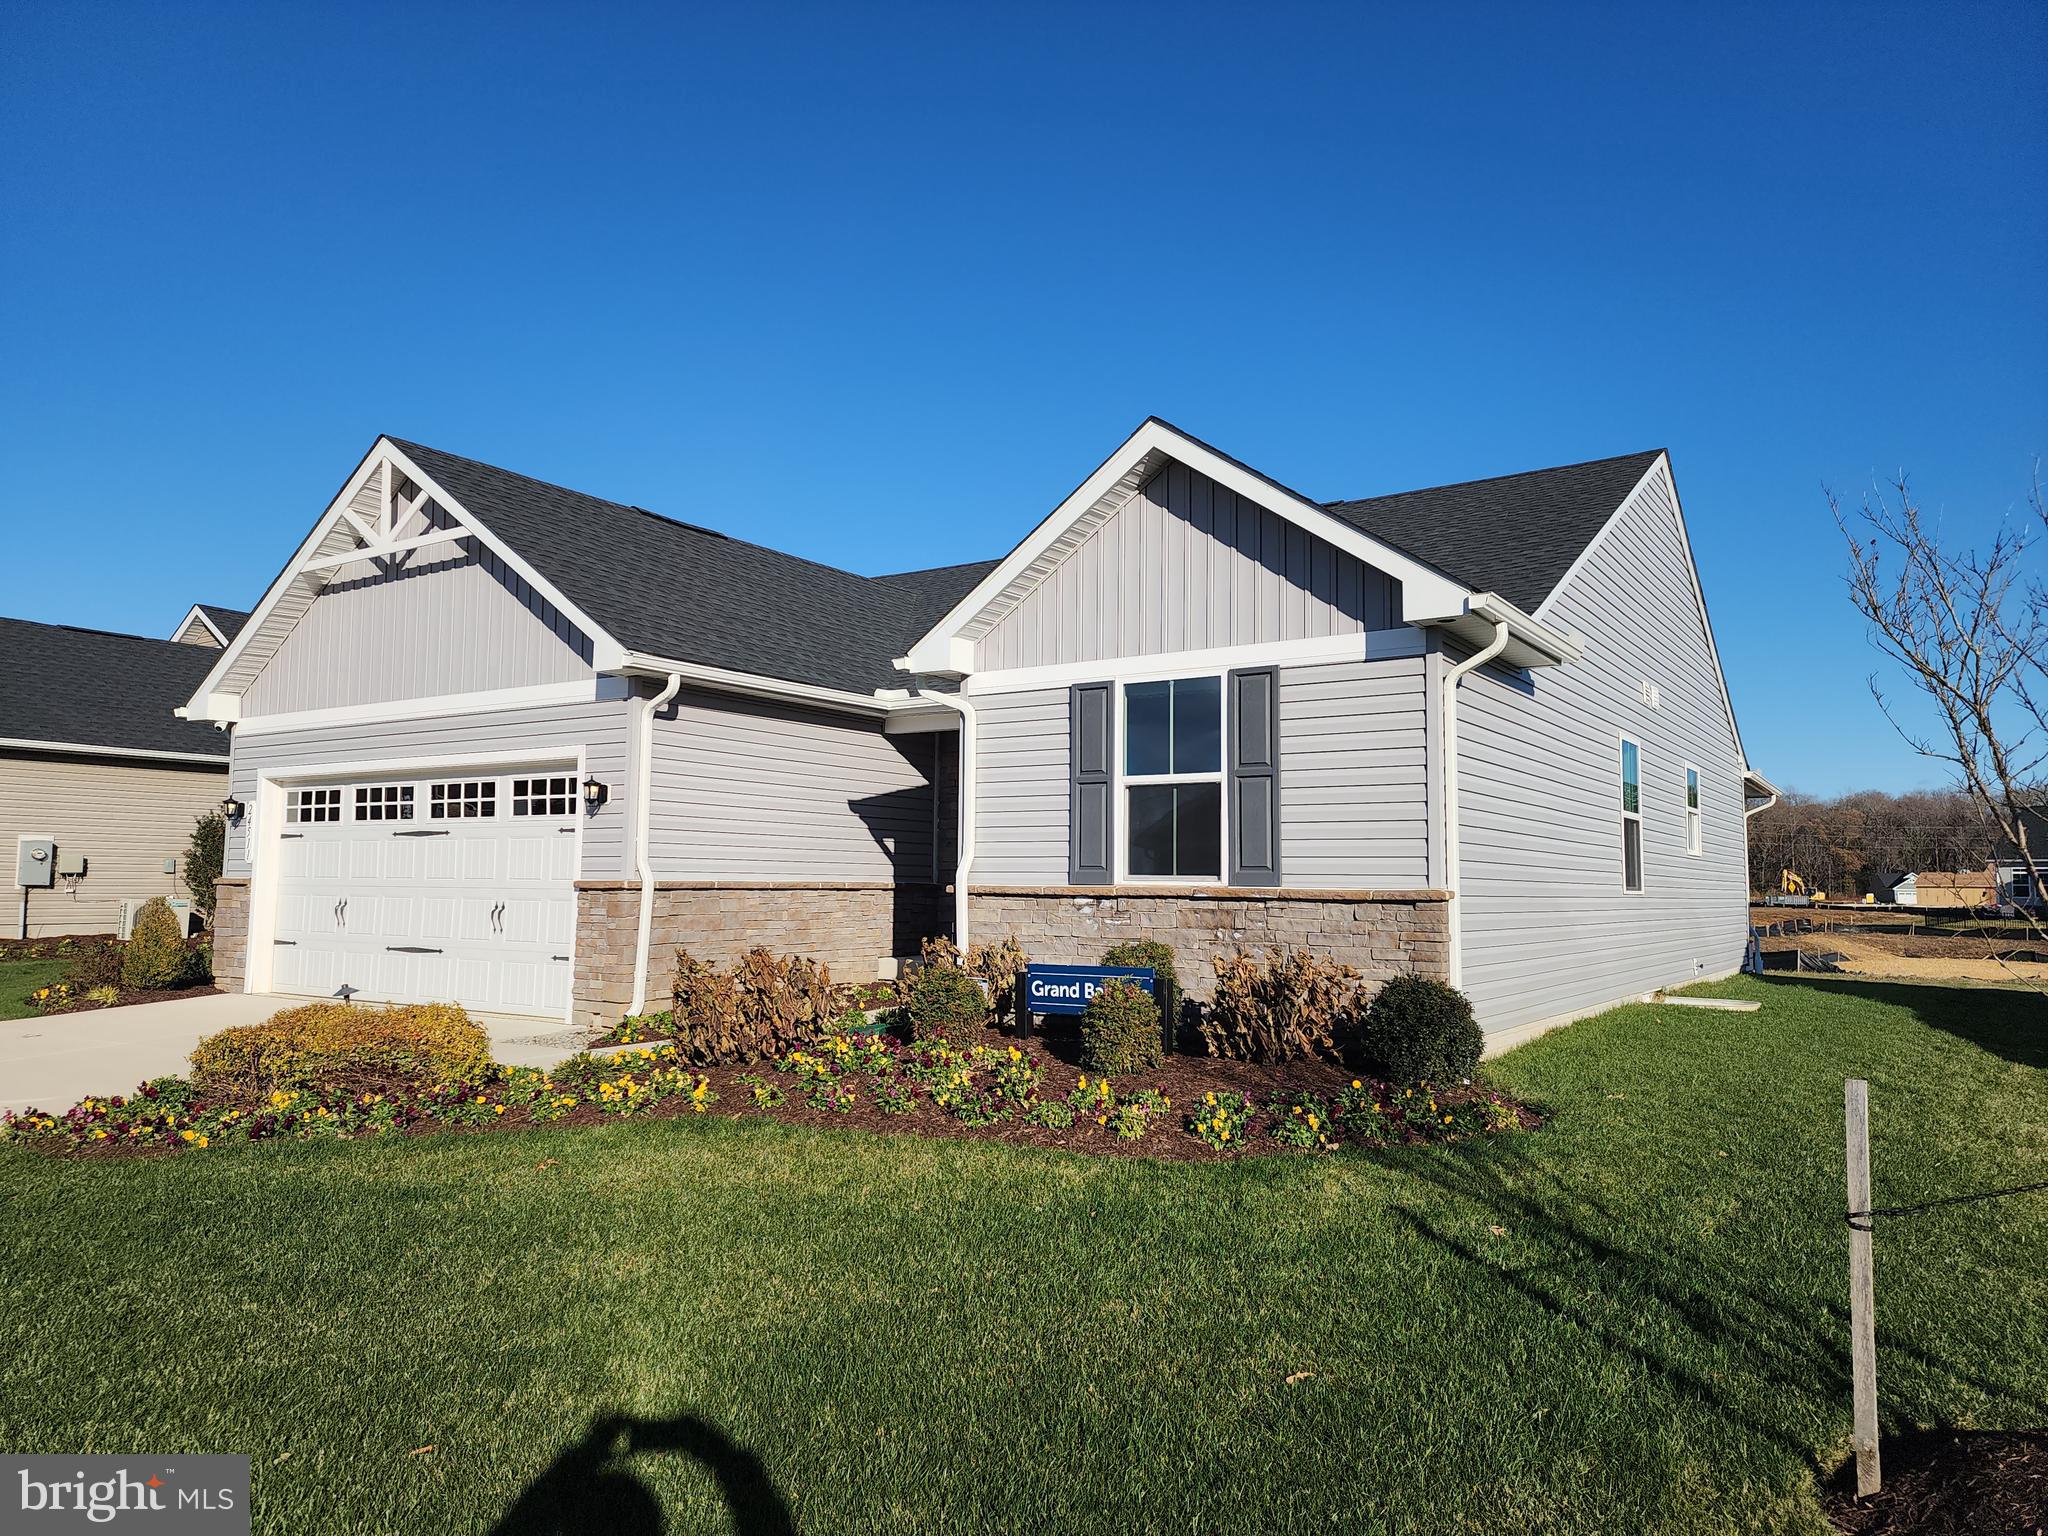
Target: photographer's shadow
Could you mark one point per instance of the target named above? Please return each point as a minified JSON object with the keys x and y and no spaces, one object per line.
{"x":591,"y":1486}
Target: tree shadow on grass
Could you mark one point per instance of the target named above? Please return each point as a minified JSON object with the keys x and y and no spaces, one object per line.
{"x":1697,"y":1330}
{"x":591,"y":1485}
{"x":2011,"y":1024}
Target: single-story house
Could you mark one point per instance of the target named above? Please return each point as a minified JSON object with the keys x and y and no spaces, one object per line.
{"x":510,"y":744}
{"x":94,"y":760}
{"x":1948,"y":888}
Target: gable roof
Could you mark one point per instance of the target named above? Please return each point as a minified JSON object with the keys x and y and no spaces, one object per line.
{"x":227,"y":622}
{"x":1517,"y":535}
{"x":687,"y":593}
{"x":90,"y":688}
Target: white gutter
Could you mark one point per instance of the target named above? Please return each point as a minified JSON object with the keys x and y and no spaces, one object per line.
{"x":87,"y":749}
{"x":1770,"y":794}
{"x":1454,"y":927}
{"x":958,"y":702}
{"x":726,"y":681}
{"x":642,"y":801}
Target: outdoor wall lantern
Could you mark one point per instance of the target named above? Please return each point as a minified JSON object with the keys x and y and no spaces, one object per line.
{"x":231,"y":808}
{"x":594,"y":794}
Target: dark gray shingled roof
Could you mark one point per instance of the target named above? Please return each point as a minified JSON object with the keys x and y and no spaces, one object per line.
{"x":87,"y":687}
{"x":228,"y":621}
{"x":1515,"y":535}
{"x":686,"y":593}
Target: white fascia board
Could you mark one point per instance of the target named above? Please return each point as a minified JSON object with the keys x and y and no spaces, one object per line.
{"x":1322,"y":650}
{"x":306,"y":561}
{"x":1763,"y":785}
{"x":723,"y":680}
{"x":1423,"y":590}
{"x":538,"y":696}
{"x":89,"y":750}
{"x":199,"y":613}
{"x":1531,"y":642}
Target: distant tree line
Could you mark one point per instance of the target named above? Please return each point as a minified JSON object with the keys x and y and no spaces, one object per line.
{"x":1847,"y":845}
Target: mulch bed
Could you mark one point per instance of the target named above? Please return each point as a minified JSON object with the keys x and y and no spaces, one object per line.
{"x":1949,"y":1482}
{"x":1183,"y":1079}
{"x":127,"y":999}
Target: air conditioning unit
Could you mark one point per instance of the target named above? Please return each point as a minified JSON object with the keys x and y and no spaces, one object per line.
{"x":130,"y":905}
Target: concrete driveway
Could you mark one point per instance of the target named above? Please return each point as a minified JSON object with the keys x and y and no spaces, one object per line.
{"x":54,"y":1061}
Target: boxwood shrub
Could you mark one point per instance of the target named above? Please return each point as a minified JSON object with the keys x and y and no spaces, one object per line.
{"x":156,"y":955}
{"x":1422,"y":1031}
{"x":1158,"y":958}
{"x":946,"y":1003}
{"x":1120,"y":1030}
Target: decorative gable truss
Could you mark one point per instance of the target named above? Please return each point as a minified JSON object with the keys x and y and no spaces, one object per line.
{"x":388,"y":514}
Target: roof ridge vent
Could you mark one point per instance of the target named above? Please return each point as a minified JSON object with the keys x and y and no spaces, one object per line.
{"x":679,"y":523}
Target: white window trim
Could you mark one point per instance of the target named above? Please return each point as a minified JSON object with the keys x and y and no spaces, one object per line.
{"x":1125,"y":781}
{"x":1695,"y":814}
{"x":1623,"y":739}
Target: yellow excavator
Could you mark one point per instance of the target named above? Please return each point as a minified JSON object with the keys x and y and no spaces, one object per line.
{"x":1792,"y":891}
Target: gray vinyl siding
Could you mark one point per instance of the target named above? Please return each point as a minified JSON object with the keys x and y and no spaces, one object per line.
{"x":124,"y":818}
{"x":1548,"y":929}
{"x":1188,"y":565}
{"x":1020,"y":788}
{"x":602,"y":728}
{"x":758,"y":790}
{"x":456,"y":621}
{"x":1354,"y":775}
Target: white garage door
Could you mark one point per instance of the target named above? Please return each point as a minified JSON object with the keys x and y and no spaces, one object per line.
{"x":445,"y":889}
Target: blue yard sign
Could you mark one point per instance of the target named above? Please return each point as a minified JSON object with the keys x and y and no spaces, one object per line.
{"x":1067,"y":988}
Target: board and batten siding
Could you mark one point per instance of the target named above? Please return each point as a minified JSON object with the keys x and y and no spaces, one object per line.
{"x":456,"y":621}
{"x":124,"y":818}
{"x":1548,"y":929}
{"x":1020,"y":788}
{"x":1188,"y":565}
{"x":600,"y":728}
{"x":1354,"y":774}
{"x":755,"y":790}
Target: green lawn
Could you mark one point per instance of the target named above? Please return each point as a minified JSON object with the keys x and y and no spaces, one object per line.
{"x":1629,"y":1321}
{"x":18,"y":978}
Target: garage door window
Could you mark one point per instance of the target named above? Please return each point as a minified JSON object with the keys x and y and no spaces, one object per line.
{"x":555,"y":796}
{"x":384,"y":802}
{"x":303,"y":805}
{"x":465,"y":800}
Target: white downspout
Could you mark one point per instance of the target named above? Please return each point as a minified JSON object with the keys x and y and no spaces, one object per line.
{"x":958,"y":703}
{"x":1454,"y":934}
{"x":1755,"y":810}
{"x":643,"y":801}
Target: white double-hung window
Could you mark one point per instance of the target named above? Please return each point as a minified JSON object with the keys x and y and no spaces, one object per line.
{"x":1173,"y":779}
{"x":1631,"y":816}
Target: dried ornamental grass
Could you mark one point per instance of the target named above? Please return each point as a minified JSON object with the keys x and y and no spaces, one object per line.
{"x":1290,"y":1005}
{"x":760,"y":1009}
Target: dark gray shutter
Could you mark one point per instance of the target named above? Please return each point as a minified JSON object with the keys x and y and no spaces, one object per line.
{"x":1091,"y":816}
{"x":1255,"y":776}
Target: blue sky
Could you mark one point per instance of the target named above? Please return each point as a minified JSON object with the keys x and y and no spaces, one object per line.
{"x":880,"y":285}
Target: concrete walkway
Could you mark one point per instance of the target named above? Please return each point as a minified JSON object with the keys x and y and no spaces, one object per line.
{"x":53,"y":1061}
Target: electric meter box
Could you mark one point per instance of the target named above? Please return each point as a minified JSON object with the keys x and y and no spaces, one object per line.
{"x":35,"y":863}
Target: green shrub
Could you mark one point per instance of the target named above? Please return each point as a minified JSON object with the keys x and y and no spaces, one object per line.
{"x":96,"y":963}
{"x":946,"y":1003}
{"x":203,"y":859}
{"x":762,"y":1008}
{"x":1290,"y":1005}
{"x":1120,"y":1029}
{"x":1422,"y":1031}
{"x":156,"y":956}
{"x":1158,"y":958}
{"x":326,"y":1043}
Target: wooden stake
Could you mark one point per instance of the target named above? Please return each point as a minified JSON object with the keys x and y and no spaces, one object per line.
{"x":1862,"y":1286}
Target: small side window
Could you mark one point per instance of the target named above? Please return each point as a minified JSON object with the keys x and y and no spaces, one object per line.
{"x":1631,"y":816}
{"x":1692,"y":811}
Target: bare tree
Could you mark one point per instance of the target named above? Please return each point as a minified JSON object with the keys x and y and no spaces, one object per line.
{"x":1969,"y":629}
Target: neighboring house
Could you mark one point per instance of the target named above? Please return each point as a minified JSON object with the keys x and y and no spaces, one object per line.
{"x":93,"y":758}
{"x":1900,"y":890}
{"x":509,"y":744}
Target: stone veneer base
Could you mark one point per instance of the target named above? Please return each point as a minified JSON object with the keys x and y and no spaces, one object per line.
{"x":230,"y":934}
{"x":1382,"y":933}
{"x":857,"y":927}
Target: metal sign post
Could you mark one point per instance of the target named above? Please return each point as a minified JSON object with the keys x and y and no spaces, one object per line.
{"x":1862,"y":1287}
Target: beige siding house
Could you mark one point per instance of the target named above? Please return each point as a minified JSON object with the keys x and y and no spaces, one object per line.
{"x":94,"y":761}
{"x":506,"y":743}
